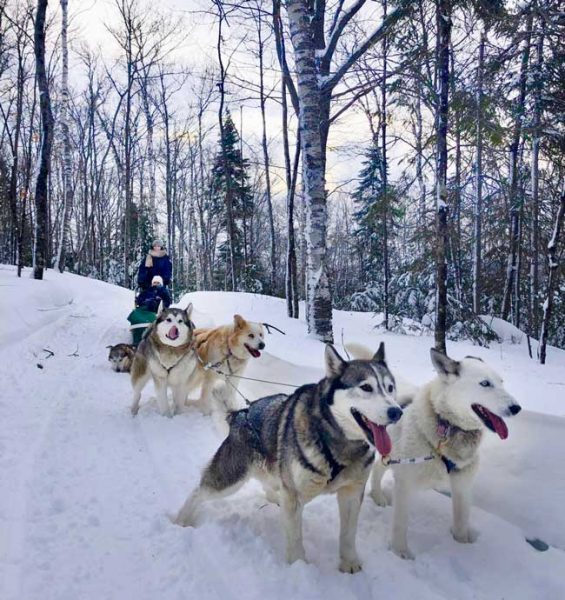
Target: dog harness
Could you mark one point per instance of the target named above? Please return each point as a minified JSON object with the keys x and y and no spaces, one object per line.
{"x":169,"y":369}
{"x":444,"y":430}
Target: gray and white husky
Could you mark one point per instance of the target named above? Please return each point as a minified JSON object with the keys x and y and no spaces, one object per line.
{"x":121,"y":357}
{"x":166,"y":354}
{"x":446,"y":420}
{"x":316,"y":441}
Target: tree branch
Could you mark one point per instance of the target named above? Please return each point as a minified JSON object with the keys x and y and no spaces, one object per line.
{"x":382,"y":30}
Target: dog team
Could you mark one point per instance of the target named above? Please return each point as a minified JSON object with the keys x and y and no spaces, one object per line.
{"x":326,"y":437}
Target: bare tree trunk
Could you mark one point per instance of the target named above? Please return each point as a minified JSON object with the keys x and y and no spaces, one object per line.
{"x":67,"y":166}
{"x":41,"y":186}
{"x":319,"y":308}
{"x":455,"y":236}
{"x":229,"y":192}
{"x":534,"y":264}
{"x":266,"y":161}
{"x":151,"y":162}
{"x":15,"y":161}
{"x":513,"y":196}
{"x":553,"y":264}
{"x":385,"y":170}
{"x":478,"y":209}
{"x":443,"y":19}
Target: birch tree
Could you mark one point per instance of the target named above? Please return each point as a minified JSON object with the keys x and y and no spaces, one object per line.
{"x":317,"y":76}
{"x":66,"y":138}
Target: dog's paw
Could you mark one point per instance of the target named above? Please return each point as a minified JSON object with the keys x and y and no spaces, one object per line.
{"x":380,"y":499}
{"x":402,"y":552}
{"x":350,"y":566}
{"x":465,"y":536}
{"x":134,"y":410}
{"x":182,"y":520}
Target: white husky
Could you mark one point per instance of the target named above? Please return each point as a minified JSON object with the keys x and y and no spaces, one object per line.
{"x":442,"y":430}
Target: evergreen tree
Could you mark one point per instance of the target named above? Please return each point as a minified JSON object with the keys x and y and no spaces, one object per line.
{"x":230,"y":177}
{"x":376,"y":211}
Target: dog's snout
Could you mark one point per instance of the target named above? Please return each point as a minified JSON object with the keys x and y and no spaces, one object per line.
{"x":515,"y":409}
{"x":394,"y":413}
{"x":261,"y":345}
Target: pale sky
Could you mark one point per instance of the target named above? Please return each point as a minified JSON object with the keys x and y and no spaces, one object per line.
{"x":197,"y":49}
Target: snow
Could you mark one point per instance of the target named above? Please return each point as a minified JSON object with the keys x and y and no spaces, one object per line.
{"x":504,"y":330}
{"x":86,"y":489}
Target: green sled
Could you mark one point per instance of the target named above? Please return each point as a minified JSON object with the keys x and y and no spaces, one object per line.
{"x":140,"y":320}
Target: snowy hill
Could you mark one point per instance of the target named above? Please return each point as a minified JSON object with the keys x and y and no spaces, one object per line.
{"x":86,"y":489}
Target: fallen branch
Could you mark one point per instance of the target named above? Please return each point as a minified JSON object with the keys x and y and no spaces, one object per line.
{"x":268,"y":325}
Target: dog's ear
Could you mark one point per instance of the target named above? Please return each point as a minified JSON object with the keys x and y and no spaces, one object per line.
{"x":335,"y":365}
{"x":380,"y":354}
{"x":239,"y":321}
{"x":443,"y":364}
{"x":188,"y":311}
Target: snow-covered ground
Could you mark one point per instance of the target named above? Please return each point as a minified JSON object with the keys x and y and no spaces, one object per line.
{"x":85,"y":489}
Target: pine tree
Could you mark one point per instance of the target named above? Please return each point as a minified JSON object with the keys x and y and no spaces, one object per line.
{"x":376,"y":211}
{"x":233,"y":179}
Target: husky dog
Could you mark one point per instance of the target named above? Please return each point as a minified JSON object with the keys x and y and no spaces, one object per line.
{"x":121,"y":356}
{"x":166,"y":354}
{"x":227,"y":348}
{"x":405,"y":391}
{"x":443,"y":428}
{"x":318,"y":440}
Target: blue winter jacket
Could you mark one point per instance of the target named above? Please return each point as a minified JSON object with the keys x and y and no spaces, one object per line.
{"x":150,"y":298}
{"x":155,"y":263}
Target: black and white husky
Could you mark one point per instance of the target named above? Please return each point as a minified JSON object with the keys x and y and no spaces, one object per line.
{"x":318,"y":440}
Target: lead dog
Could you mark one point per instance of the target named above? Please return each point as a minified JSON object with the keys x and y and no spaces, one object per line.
{"x":166,"y":354}
{"x":318,"y":440}
{"x":446,"y":421}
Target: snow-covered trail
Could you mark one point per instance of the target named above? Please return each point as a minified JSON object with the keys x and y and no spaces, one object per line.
{"x":86,"y":489}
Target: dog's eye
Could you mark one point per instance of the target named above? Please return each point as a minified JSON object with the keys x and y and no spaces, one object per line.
{"x":169,"y":320}
{"x":390,"y":388}
{"x":251,"y":336}
{"x":485,"y":383}
{"x":366,"y":387}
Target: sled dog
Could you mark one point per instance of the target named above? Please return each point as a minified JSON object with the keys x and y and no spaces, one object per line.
{"x":166,"y":354}
{"x":228,"y":349}
{"x":318,"y":440}
{"x":121,"y":357}
{"x":442,"y":429}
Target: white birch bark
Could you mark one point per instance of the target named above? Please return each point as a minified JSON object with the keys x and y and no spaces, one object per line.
{"x":318,"y":309}
{"x":67,"y":160}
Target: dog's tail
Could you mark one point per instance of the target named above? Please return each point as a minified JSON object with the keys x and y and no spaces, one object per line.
{"x":358,"y":351}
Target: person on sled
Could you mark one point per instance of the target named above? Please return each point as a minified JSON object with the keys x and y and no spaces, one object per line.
{"x":157,"y":262}
{"x":150,"y":298}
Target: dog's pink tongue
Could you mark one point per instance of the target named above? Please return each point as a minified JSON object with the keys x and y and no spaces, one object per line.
{"x":381,"y":438}
{"x":499,"y":425}
{"x":173,"y":333}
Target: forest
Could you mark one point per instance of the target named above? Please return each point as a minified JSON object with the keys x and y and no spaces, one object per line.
{"x":403,"y":157}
